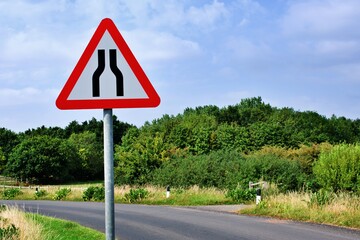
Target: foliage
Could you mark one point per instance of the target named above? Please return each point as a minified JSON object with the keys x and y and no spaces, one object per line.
{"x":8,"y":140}
{"x":305,"y":154}
{"x":250,"y":127}
{"x":137,"y":158}
{"x":135,"y":195}
{"x":41,"y":159}
{"x":90,"y":154}
{"x":2,"y":160}
{"x":62,"y":193}
{"x":9,"y":232}
{"x":11,"y":193}
{"x":95,"y":126}
{"x":339,"y":168}
{"x":40,"y":193}
{"x":241,"y":195}
{"x":227,"y":170}
{"x":94,"y":193}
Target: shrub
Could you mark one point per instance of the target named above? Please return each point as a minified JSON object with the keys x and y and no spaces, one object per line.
{"x":11,"y":193}
{"x":226,"y":170}
{"x":241,"y":195}
{"x":136,"y":195}
{"x":95,"y":193}
{"x":286,"y":174}
{"x":40,"y":193}
{"x":213,"y":170}
{"x":339,"y":168}
{"x":62,"y":193}
{"x":9,"y":232}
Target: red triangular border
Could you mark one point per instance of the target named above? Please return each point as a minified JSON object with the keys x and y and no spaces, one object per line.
{"x":62,"y":102}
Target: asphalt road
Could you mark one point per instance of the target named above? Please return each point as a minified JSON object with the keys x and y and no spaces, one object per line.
{"x":159,"y":222}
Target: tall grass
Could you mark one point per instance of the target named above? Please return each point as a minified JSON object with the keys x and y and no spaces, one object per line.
{"x":27,"y":228}
{"x":341,"y":209}
{"x":194,"y":195}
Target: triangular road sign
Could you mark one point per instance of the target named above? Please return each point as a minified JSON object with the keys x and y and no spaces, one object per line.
{"x":107,"y":76}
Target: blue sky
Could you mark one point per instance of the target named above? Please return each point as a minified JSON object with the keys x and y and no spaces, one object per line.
{"x":303,"y":54}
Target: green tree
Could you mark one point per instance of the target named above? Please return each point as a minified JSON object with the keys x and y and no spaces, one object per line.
{"x":138,"y":156}
{"x":2,"y":161}
{"x":233,"y":137}
{"x":343,"y":130}
{"x":91,"y":165}
{"x":41,"y":159}
{"x":50,"y":131}
{"x":8,"y":140}
{"x":73,"y":127}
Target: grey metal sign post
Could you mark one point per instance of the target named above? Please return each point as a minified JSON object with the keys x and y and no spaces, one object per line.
{"x":85,"y":90}
{"x":109,"y":175}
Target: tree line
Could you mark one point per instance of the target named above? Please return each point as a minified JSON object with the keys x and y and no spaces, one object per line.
{"x":54,"y":155}
{"x":207,"y":146}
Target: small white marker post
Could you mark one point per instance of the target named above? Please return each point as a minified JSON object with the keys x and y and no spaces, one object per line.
{"x":109,"y":175}
{"x":258,"y":196}
{"x":167,"y":191}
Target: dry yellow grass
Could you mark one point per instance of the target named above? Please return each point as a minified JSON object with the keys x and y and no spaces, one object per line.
{"x":342,"y":209}
{"x":28,"y":229}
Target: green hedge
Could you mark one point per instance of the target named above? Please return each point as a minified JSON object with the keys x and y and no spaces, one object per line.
{"x":227,"y":170}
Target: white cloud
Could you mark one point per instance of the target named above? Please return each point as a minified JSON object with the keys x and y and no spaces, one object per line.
{"x":26,"y":96}
{"x":208,"y":14}
{"x":327,"y":18}
{"x":175,"y":14}
{"x":160,"y":46}
{"x":322,"y":33}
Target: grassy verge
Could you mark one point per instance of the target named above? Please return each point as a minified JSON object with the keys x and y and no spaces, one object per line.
{"x":15,"y":224}
{"x":193,"y":196}
{"x":57,"y":229}
{"x":341,"y":209}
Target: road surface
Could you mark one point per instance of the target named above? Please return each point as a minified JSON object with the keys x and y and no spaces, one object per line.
{"x":160,"y":222}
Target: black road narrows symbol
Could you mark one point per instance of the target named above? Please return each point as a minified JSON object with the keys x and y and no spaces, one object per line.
{"x":98,"y":72}
{"x":100,"y":69}
{"x":117,"y":73}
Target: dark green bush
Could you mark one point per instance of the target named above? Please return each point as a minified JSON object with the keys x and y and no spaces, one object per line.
{"x":215,"y":169}
{"x":11,"y":193}
{"x":94,"y":193}
{"x":286,"y":174}
{"x":227,"y":170}
{"x":135,"y":195}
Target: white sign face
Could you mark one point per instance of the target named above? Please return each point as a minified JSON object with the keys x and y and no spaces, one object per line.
{"x":107,"y":76}
{"x":83,"y":88}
